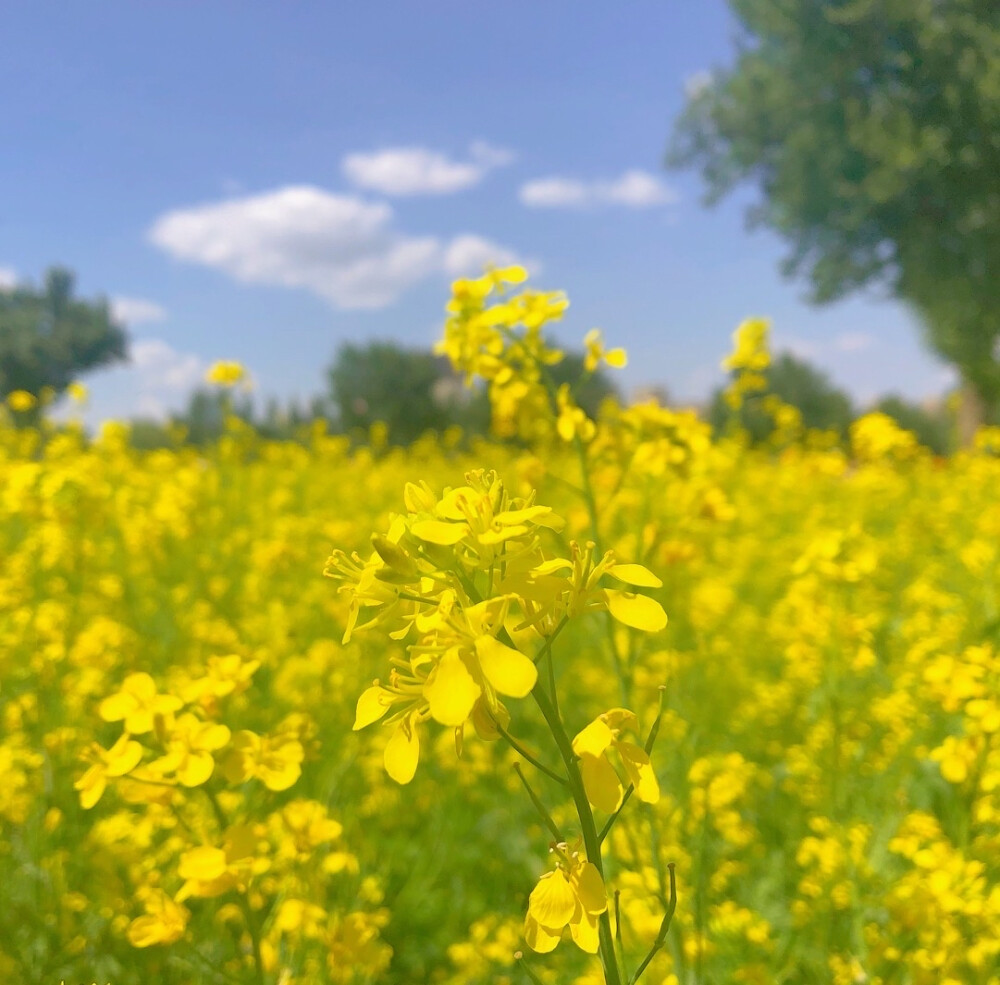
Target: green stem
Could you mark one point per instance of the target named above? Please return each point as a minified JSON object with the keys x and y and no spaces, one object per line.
{"x":526,"y":968}
{"x":588,"y":828}
{"x":547,"y":646}
{"x":243,"y":898}
{"x":618,"y":932}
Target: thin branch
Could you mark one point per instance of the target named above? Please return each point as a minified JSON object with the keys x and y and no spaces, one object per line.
{"x":539,"y":806}
{"x":661,"y":937}
{"x":521,"y":751}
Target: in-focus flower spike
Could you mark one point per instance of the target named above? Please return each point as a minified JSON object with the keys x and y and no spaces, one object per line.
{"x":600,"y":779}
{"x":573,"y":896}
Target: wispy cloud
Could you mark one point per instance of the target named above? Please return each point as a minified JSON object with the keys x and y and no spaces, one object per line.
{"x":853,"y":341}
{"x":635,"y":189}
{"x":467,"y":256}
{"x":159,"y":367}
{"x":136,"y":311}
{"x":341,"y":247}
{"x":419,"y":171}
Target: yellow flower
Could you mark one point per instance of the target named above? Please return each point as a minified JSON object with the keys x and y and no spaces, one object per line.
{"x":77,"y":392}
{"x":595,"y":353}
{"x":190,"y":744}
{"x":750,"y":347}
{"x":21,"y":401}
{"x":137,"y":703}
{"x":225,"y":373}
{"x":275,"y":760}
{"x":208,"y":871}
{"x":121,"y":758}
{"x":600,"y":779}
{"x":572,"y":895}
{"x":572,"y":421}
{"x":163,"y":923}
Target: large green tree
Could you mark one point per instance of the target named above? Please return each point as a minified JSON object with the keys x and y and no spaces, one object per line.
{"x":872,"y":130}
{"x":48,"y":337}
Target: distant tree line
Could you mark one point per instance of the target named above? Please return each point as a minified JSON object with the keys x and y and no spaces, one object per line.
{"x":825,"y":407}
{"x":48,"y":338}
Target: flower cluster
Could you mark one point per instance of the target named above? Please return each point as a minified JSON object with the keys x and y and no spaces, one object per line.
{"x":465,"y":580}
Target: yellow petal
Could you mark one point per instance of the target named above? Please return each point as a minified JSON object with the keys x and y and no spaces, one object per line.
{"x":139,"y":721}
{"x":123,"y":757}
{"x":552,"y":902}
{"x":372,"y":705}
{"x":618,"y":358}
{"x":141,"y":685}
{"x":583,"y":928}
{"x":402,"y":752}
{"x":620,"y":719}
{"x":637,"y":611}
{"x":280,"y":772}
{"x":590,"y":888}
{"x":196,"y":770}
{"x":91,"y":785}
{"x":492,"y":537}
{"x":212,"y":737}
{"x":451,"y":691}
{"x":115,"y":707}
{"x":147,"y":931}
{"x":604,"y":789}
{"x":507,"y":669}
{"x":526,"y":515}
{"x":538,"y":938}
{"x":635,"y":574}
{"x":202,"y":864}
{"x":639,"y":771}
{"x":594,"y":739}
{"x":553,"y":566}
{"x":439,"y":532}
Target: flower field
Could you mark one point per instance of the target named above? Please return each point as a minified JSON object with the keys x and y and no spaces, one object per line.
{"x":218,"y":765}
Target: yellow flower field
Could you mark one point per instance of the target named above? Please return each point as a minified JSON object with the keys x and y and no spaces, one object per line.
{"x":218,"y":765}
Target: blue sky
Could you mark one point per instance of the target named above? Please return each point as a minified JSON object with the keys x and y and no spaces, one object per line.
{"x":264,"y":181}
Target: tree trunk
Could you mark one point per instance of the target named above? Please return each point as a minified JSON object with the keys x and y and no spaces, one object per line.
{"x":971,"y":413}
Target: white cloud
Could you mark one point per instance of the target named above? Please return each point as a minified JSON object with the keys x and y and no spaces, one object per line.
{"x":341,"y":247}
{"x":853,"y":341}
{"x":468,"y":255}
{"x":554,"y":193}
{"x":419,"y":171}
{"x":136,"y":311}
{"x":8,"y":278}
{"x":490,"y":156}
{"x":634,"y":188}
{"x":159,"y":367}
{"x":640,"y":190}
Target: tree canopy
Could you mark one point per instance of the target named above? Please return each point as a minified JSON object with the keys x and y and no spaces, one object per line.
{"x":413,"y":391}
{"x":409,"y":390}
{"x":872,"y":130}
{"x":48,"y":337}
